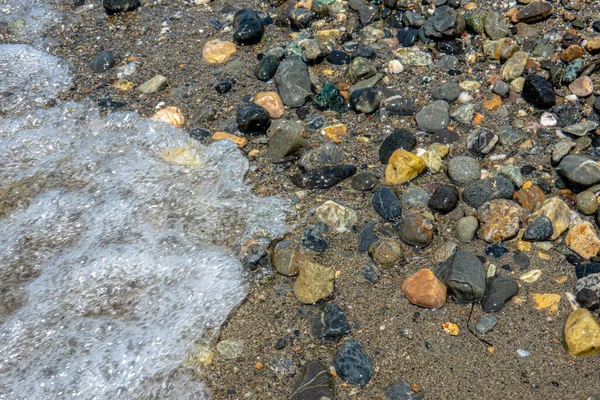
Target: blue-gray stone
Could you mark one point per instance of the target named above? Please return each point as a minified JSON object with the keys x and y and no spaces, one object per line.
{"x":402,"y":391}
{"x":464,"y":275}
{"x":386,"y":204}
{"x":352,"y":364}
{"x":499,"y":290}
{"x":330,"y":323}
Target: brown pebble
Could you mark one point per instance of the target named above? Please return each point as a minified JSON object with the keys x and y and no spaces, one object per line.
{"x":571,"y":53}
{"x":424,"y":289}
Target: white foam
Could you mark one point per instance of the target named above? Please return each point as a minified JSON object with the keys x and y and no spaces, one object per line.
{"x":30,"y":78}
{"x":26,"y":21}
{"x":110,"y":264}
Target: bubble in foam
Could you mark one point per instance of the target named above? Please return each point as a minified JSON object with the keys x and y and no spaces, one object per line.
{"x":113,"y":260}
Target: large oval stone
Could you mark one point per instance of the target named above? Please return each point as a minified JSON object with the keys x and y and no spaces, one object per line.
{"x":424,"y":289}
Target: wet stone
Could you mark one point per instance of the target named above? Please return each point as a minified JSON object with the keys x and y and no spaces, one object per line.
{"x":267,"y":67}
{"x":365,"y":100}
{"x":326,"y":154}
{"x":495,"y":27}
{"x":434,"y":117}
{"x":330,"y":98}
{"x":386,"y":204}
{"x":445,"y":22}
{"x":397,"y":105}
{"x":448,"y":92}
{"x":312,"y":240}
{"x":119,"y":6}
{"x":499,"y":291}
{"x":486,"y":323}
{"x":399,"y":139}
{"x":359,"y":69}
{"x":445,"y":136}
{"x":533,"y":12}
{"x":330,"y":323}
{"x":153,"y":85}
{"x":337,"y":57}
{"x":315,"y":382}
{"x":444,"y":199}
{"x":352,"y":364}
{"x":478,"y":192}
{"x":540,"y":229}
{"x":415,"y":230}
{"x":588,"y":299}
{"x":323,"y":178}
{"x":314,"y":282}
{"x":103,"y":62}
{"x":247,"y":28}
{"x":496,"y":250}
{"x":364,"y":181}
{"x":414,"y":197}
{"x":301,"y":18}
{"x":252,"y":119}
{"x":385,"y":252}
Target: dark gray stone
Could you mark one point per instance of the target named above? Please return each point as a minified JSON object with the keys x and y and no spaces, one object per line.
{"x":397,"y":105}
{"x":364,"y":181}
{"x":402,"y":391}
{"x":326,"y":154}
{"x":448,"y":92}
{"x":386,"y":204}
{"x":366,"y":237}
{"x":399,"y":139}
{"x":293,"y":82}
{"x":247,"y":28}
{"x":103,"y":62}
{"x":540,"y":229}
{"x":365,"y":100}
{"x":578,"y":171}
{"x":444,"y":199}
{"x":314,"y":383}
{"x":434,"y":117}
{"x":479,"y":192}
{"x":352,"y":364}
{"x":464,"y":276}
{"x":330,"y":323}
{"x":252,"y":119}
{"x":499,"y":290}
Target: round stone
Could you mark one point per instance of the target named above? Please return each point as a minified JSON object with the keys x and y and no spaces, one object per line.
{"x":444,"y":199}
{"x":364,"y":181}
{"x":424,"y":289}
{"x":385,"y":252}
{"x":586,"y":202}
{"x":415,"y":230}
{"x":466,"y":228}
{"x":464,"y":170}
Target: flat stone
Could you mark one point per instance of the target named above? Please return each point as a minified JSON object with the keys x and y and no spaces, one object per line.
{"x":499,"y":291}
{"x":579,"y":171}
{"x":329,"y":322}
{"x":495,"y":26}
{"x":464,"y":276}
{"x":582,"y":86}
{"x":486,"y":323}
{"x":386,"y":204}
{"x":581,"y":129}
{"x":154,"y":85}
{"x":315,"y":282}
{"x":218,"y":51}
{"x":582,"y":333}
{"x":352,"y":364}
{"x":499,"y":220}
{"x":315,"y":382}
{"x":323,"y":178}
{"x":424,"y":289}
{"x":533,"y":12}
{"x":478,"y":192}
{"x":402,"y":391}
{"x":293,"y":82}
{"x":447,"y":92}
{"x":434,"y":117}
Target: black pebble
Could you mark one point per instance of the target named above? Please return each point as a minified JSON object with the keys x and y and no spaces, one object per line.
{"x":247,"y":28}
{"x":399,"y":139}
{"x":223,"y":87}
{"x":119,"y":6}
{"x":252,"y":119}
{"x":103,"y":62}
{"x":408,"y":36}
{"x":496,"y":250}
{"x":323,"y":178}
{"x":444,"y":199}
{"x":338,"y":57}
{"x":386,"y":204}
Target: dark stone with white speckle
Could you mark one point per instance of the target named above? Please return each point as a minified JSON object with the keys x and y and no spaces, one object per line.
{"x":540,"y":229}
{"x":103,"y":62}
{"x":386,"y":204}
{"x":402,"y":391}
{"x":330,"y":323}
{"x":323,"y":178}
{"x":252,"y":119}
{"x":315,"y":382}
{"x":352,"y":364}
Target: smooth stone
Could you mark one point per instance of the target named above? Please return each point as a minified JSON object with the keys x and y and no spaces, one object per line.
{"x":267,"y":67}
{"x":481,"y":141}
{"x":582,"y":239}
{"x":301,"y":18}
{"x":424,"y":289}
{"x":103,"y":62}
{"x":329,"y":322}
{"x":466,"y":228}
{"x":359,"y":69}
{"x":499,"y":220}
{"x":366,"y":237}
{"x":365,"y":100}
{"x":286,"y":258}
{"x":402,"y":391}
{"x":414,"y":197}
{"x":314,"y":282}
{"x":247,"y":28}
{"x":445,"y":136}
{"x":312,"y":52}
{"x":386,"y":204}
{"x":512,"y":173}
{"x":385,"y":252}
{"x":271,"y":102}
{"x":399,"y":139}
{"x":444,"y":199}
{"x":252,"y":119}
{"x":495,"y":26}
{"x":582,"y":333}
{"x":330,"y":98}
{"x":538,"y":91}
{"x":582,"y":86}
{"x":464,"y":170}
{"x":153,"y":85}
{"x":397,"y":105}
{"x":579,"y":171}
{"x":364,"y":181}
{"x":434,"y":117}
{"x":315,"y":382}
{"x":478,"y":192}
{"x":119,"y":6}
{"x":218,"y":51}
{"x":530,"y":197}
{"x":539,"y":230}
{"x":464,"y":276}
{"x":499,"y":291}
{"x":559,"y":214}
{"x":402,"y":167}
{"x":415,"y":230}
{"x":586,"y":202}
{"x":337,"y":57}
{"x":352,"y":364}
{"x":444,"y":23}
{"x":486,"y":323}
{"x":312,"y":240}
{"x":448,"y":92}
{"x":326,"y":154}
{"x":293,"y":82}
{"x":323,"y":178}
{"x":285,"y":146}
{"x":533,"y":12}
{"x":336,"y":216}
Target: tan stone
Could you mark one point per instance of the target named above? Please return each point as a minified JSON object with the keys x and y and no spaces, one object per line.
{"x":593,"y":43}
{"x":559,"y":214}
{"x":424,"y":289}
{"x":582,"y":239}
{"x":582,"y":333}
{"x":336,"y":216}
{"x":315,"y":282}
{"x":582,"y":86}
{"x":218,"y":51}
{"x":271,"y":102}
{"x":571,"y":53}
{"x":514,"y":66}
{"x":169,"y":115}
{"x":499,"y":220}
{"x":240,"y":141}
{"x":182,"y":156}
{"x":402,"y":167}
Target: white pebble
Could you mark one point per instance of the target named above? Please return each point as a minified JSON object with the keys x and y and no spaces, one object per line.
{"x":523,"y":353}
{"x":465,"y":97}
{"x":522,"y":113}
{"x":395,"y":67}
{"x":571,"y":97}
{"x":548,"y":119}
